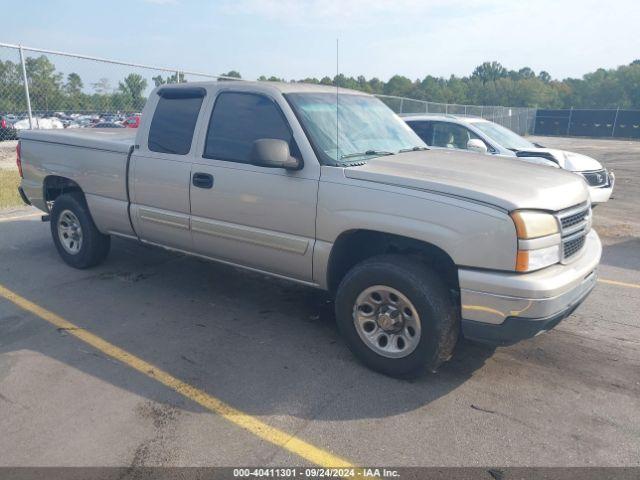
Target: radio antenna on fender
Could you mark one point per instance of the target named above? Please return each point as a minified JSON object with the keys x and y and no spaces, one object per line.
{"x":337,"y":101}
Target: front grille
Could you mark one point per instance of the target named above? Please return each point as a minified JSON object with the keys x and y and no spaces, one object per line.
{"x":597,"y":178}
{"x":573,"y":246}
{"x":571,"y":220}
{"x":575,"y":223}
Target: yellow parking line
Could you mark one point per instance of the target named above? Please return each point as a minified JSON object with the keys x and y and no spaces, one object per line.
{"x":258,"y":428}
{"x":619,"y":284}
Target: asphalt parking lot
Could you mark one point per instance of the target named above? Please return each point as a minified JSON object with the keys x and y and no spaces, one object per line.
{"x":263,"y":352}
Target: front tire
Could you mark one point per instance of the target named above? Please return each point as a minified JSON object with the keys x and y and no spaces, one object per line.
{"x":78,"y":241}
{"x":396,"y":315}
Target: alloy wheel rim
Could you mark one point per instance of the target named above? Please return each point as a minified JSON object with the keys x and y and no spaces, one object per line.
{"x":70,"y":232}
{"x":387,"y":321}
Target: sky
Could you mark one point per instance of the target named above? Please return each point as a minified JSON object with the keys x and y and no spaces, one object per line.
{"x":297,"y":39}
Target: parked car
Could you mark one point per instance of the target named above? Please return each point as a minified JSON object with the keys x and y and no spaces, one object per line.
{"x":132,"y":121}
{"x":45,"y":123}
{"x":483,"y":136}
{"x":7,"y":130}
{"x":109,"y":118}
{"x":415,"y":244}
{"x":107,"y":125}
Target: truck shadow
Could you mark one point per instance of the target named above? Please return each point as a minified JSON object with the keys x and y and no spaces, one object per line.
{"x":264,"y":346}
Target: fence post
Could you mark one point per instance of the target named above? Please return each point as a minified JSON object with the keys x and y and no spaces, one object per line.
{"x":569,"y":122}
{"x":26,"y":87}
{"x":402,"y":105}
{"x":615,"y":120}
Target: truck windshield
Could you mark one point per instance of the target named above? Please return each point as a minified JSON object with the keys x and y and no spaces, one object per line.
{"x":366,"y":127}
{"x":503,"y":136}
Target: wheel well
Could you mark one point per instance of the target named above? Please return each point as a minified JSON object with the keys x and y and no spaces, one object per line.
{"x":54,"y":186}
{"x":355,"y":246}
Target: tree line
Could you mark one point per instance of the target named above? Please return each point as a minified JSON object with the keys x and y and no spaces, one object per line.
{"x":489,"y":84}
{"x":493,"y":84}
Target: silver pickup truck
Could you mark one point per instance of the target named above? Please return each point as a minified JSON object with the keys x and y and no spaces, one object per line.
{"x":417,"y":246}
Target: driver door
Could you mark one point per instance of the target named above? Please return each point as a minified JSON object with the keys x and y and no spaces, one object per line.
{"x":257,"y":217}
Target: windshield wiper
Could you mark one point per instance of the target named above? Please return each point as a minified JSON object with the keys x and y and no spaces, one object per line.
{"x":366,"y":153}
{"x":412,"y":149}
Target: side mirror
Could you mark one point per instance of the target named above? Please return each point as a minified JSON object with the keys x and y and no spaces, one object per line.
{"x":273,"y":153}
{"x":477,"y":145}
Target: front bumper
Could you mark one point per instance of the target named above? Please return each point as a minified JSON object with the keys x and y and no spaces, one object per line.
{"x":503,"y":308}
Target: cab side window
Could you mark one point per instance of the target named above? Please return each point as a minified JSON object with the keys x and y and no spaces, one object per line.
{"x":237,"y":120}
{"x":424,"y":130}
{"x":450,"y":135}
{"x":174,"y":120}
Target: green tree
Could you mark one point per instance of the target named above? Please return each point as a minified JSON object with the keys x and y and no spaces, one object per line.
{"x":489,"y":72}
{"x":231,"y":74}
{"x":102,"y":86}
{"x":74,"y":84}
{"x":544,"y":76}
{"x":398,"y":85}
{"x":132,"y":87}
{"x":12,"y":98}
{"x":174,"y":78}
{"x":45,"y":84}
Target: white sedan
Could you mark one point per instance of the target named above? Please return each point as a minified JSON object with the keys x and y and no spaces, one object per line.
{"x":483,"y":136}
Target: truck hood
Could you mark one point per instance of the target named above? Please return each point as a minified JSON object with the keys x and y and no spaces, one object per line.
{"x":496,"y":181}
{"x":574,"y":162}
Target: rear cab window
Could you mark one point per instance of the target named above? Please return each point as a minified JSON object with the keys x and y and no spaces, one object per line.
{"x":240,"y":118}
{"x":174,"y":120}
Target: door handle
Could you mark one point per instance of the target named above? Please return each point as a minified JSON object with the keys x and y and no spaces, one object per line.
{"x":202,"y":180}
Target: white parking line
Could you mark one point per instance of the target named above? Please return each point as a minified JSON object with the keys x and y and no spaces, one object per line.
{"x":20,"y":217}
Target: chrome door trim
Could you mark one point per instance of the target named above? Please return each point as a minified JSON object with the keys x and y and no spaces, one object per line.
{"x":162,"y":217}
{"x":255,"y":236}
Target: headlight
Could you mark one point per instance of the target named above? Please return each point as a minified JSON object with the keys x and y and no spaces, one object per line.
{"x":532,"y":224}
{"x":538,"y":240}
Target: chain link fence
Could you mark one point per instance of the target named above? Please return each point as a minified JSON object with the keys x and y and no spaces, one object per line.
{"x":519,"y":119}
{"x":49,"y":89}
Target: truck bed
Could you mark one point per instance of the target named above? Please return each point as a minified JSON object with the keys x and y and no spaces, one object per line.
{"x":110,"y":139}
{"x":93,"y":158}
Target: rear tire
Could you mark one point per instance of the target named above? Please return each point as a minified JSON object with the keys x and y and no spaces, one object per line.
{"x":78,"y":241}
{"x":397,"y":316}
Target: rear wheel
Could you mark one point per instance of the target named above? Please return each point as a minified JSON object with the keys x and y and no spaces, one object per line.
{"x":78,"y":241}
{"x":397,"y":315}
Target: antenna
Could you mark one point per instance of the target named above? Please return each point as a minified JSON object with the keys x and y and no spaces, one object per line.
{"x":337,"y":99}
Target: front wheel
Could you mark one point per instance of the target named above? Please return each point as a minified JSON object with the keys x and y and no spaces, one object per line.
{"x":78,"y":241}
{"x":397,"y":315}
